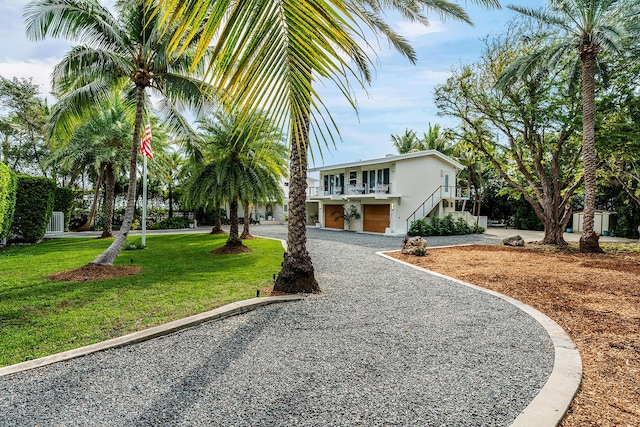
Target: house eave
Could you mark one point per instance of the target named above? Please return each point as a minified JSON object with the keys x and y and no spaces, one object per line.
{"x":391,"y":159}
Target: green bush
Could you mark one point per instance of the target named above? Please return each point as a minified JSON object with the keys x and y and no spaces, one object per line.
{"x":34,"y":204}
{"x":8,"y":188}
{"x":64,"y":198}
{"x":447,"y":226}
{"x":172,"y":223}
{"x":525,"y":217}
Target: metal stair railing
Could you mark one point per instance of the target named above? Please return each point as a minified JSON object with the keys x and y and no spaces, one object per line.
{"x":432,"y":201}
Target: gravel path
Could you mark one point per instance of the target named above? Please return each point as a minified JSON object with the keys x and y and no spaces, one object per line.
{"x":383,"y":344}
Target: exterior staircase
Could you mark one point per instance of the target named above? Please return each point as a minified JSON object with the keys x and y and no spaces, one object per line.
{"x":442,"y":192}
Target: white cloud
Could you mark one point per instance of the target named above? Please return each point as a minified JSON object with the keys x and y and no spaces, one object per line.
{"x":38,"y":69}
{"x":414,"y":30}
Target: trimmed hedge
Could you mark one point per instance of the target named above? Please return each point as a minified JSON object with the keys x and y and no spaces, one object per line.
{"x":34,"y":203}
{"x":64,"y":197}
{"x":446,"y":226}
{"x":8,"y":187}
{"x":172,"y":223}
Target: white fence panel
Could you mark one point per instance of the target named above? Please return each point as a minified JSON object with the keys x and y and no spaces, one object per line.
{"x":56,"y":224}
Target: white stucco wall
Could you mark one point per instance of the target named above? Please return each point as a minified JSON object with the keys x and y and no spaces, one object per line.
{"x":416,"y":179}
{"x":412,"y":179}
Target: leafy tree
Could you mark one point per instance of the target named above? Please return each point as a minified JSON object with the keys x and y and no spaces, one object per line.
{"x":22,"y":125}
{"x":269,"y":54}
{"x":527,"y":130}
{"x":582,"y":29}
{"x":128,"y":51}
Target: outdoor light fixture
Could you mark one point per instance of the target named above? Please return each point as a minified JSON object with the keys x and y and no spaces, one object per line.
{"x":393,"y":206}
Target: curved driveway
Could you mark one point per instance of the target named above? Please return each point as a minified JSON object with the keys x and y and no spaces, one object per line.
{"x":383,"y":344}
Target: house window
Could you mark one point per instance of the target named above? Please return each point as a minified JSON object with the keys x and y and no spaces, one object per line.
{"x":353,"y":178}
{"x":333,"y":184}
{"x":376,"y":180}
{"x":285,"y":208}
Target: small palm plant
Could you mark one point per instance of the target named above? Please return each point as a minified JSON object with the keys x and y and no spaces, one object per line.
{"x":349,"y":215}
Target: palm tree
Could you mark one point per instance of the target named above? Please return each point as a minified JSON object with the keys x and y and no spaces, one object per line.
{"x":102,"y":143}
{"x":406,"y":143}
{"x":166,"y":168}
{"x":128,"y":51}
{"x":239,"y":165}
{"x":269,"y":54}
{"x":437,"y":139}
{"x":586,"y":28}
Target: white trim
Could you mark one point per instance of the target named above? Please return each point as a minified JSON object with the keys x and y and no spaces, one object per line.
{"x":390,"y":159}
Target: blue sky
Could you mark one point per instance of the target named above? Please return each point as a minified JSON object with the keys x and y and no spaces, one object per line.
{"x":400,"y":96}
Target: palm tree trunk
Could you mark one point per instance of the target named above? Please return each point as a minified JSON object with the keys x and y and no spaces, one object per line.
{"x":110,"y":183}
{"x":297,"y":273}
{"x":110,"y":255}
{"x":233,"y":239}
{"x":170,"y":201}
{"x":94,"y":205}
{"x":589,"y":239}
{"x":217,"y":227}
{"x":247,"y":219}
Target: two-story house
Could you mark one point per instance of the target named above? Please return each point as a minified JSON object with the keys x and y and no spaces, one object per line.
{"x":389,"y":193}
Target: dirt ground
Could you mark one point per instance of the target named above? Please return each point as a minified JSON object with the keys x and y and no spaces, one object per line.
{"x":594,"y":297}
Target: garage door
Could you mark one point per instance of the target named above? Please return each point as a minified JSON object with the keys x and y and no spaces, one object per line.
{"x":333,"y":216}
{"x":376,"y":218}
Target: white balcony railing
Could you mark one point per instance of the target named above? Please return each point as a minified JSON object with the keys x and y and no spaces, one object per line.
{"x":349,"y":190}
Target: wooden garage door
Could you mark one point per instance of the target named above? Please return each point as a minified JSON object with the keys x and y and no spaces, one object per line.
{"x":333,"y":216}
{"x":376,"y":218}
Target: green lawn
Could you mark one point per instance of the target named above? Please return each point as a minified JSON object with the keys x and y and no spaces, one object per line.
{"x":39,"y":317}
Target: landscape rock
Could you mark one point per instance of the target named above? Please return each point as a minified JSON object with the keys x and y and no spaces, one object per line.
{"x":415,"y":246}
{"x":513,"y":241}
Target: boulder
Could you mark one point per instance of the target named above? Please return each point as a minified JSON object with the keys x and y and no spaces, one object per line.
{"x":415,"y":246}
{"x":513,"y":241}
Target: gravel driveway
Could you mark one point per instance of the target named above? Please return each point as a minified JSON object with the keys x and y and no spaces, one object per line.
{"x":383,"y":344}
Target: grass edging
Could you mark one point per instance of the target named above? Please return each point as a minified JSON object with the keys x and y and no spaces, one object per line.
{"x":231,"y":309}
{"x":551,"y":403}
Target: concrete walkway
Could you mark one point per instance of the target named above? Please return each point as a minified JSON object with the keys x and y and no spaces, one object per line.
{"x":383,"y":344}
{"x":536,"y":236}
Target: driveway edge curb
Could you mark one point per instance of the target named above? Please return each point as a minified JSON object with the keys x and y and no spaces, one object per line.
{"x":228,"y":310}
{"x":552,"y":401}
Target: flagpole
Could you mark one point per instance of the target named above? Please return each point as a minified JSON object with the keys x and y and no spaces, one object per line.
{"x":144,"y":202}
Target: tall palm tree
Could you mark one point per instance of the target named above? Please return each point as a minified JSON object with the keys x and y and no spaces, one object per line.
{"x":586,"y":28}
{"x":128,"y":50}
{"x":239,"y":165}
{"x":269,"y":54}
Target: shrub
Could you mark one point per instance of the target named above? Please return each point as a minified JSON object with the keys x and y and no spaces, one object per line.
{"x":420,"y":252}
{"x":436,"y":226}
{"x":64,"y":197}
{"x":8,"y":188}
{"x":174,"y":222}
{"x":34,"y":204}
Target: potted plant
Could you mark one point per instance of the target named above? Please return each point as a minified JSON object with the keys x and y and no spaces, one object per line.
{"x":350,"y":214}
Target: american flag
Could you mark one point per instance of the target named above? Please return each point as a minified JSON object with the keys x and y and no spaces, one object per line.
{"x":145,"y":146}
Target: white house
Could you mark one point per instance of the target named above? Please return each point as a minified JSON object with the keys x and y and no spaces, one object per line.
{"x":389,"y":193}
{"x":274,"y":211}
